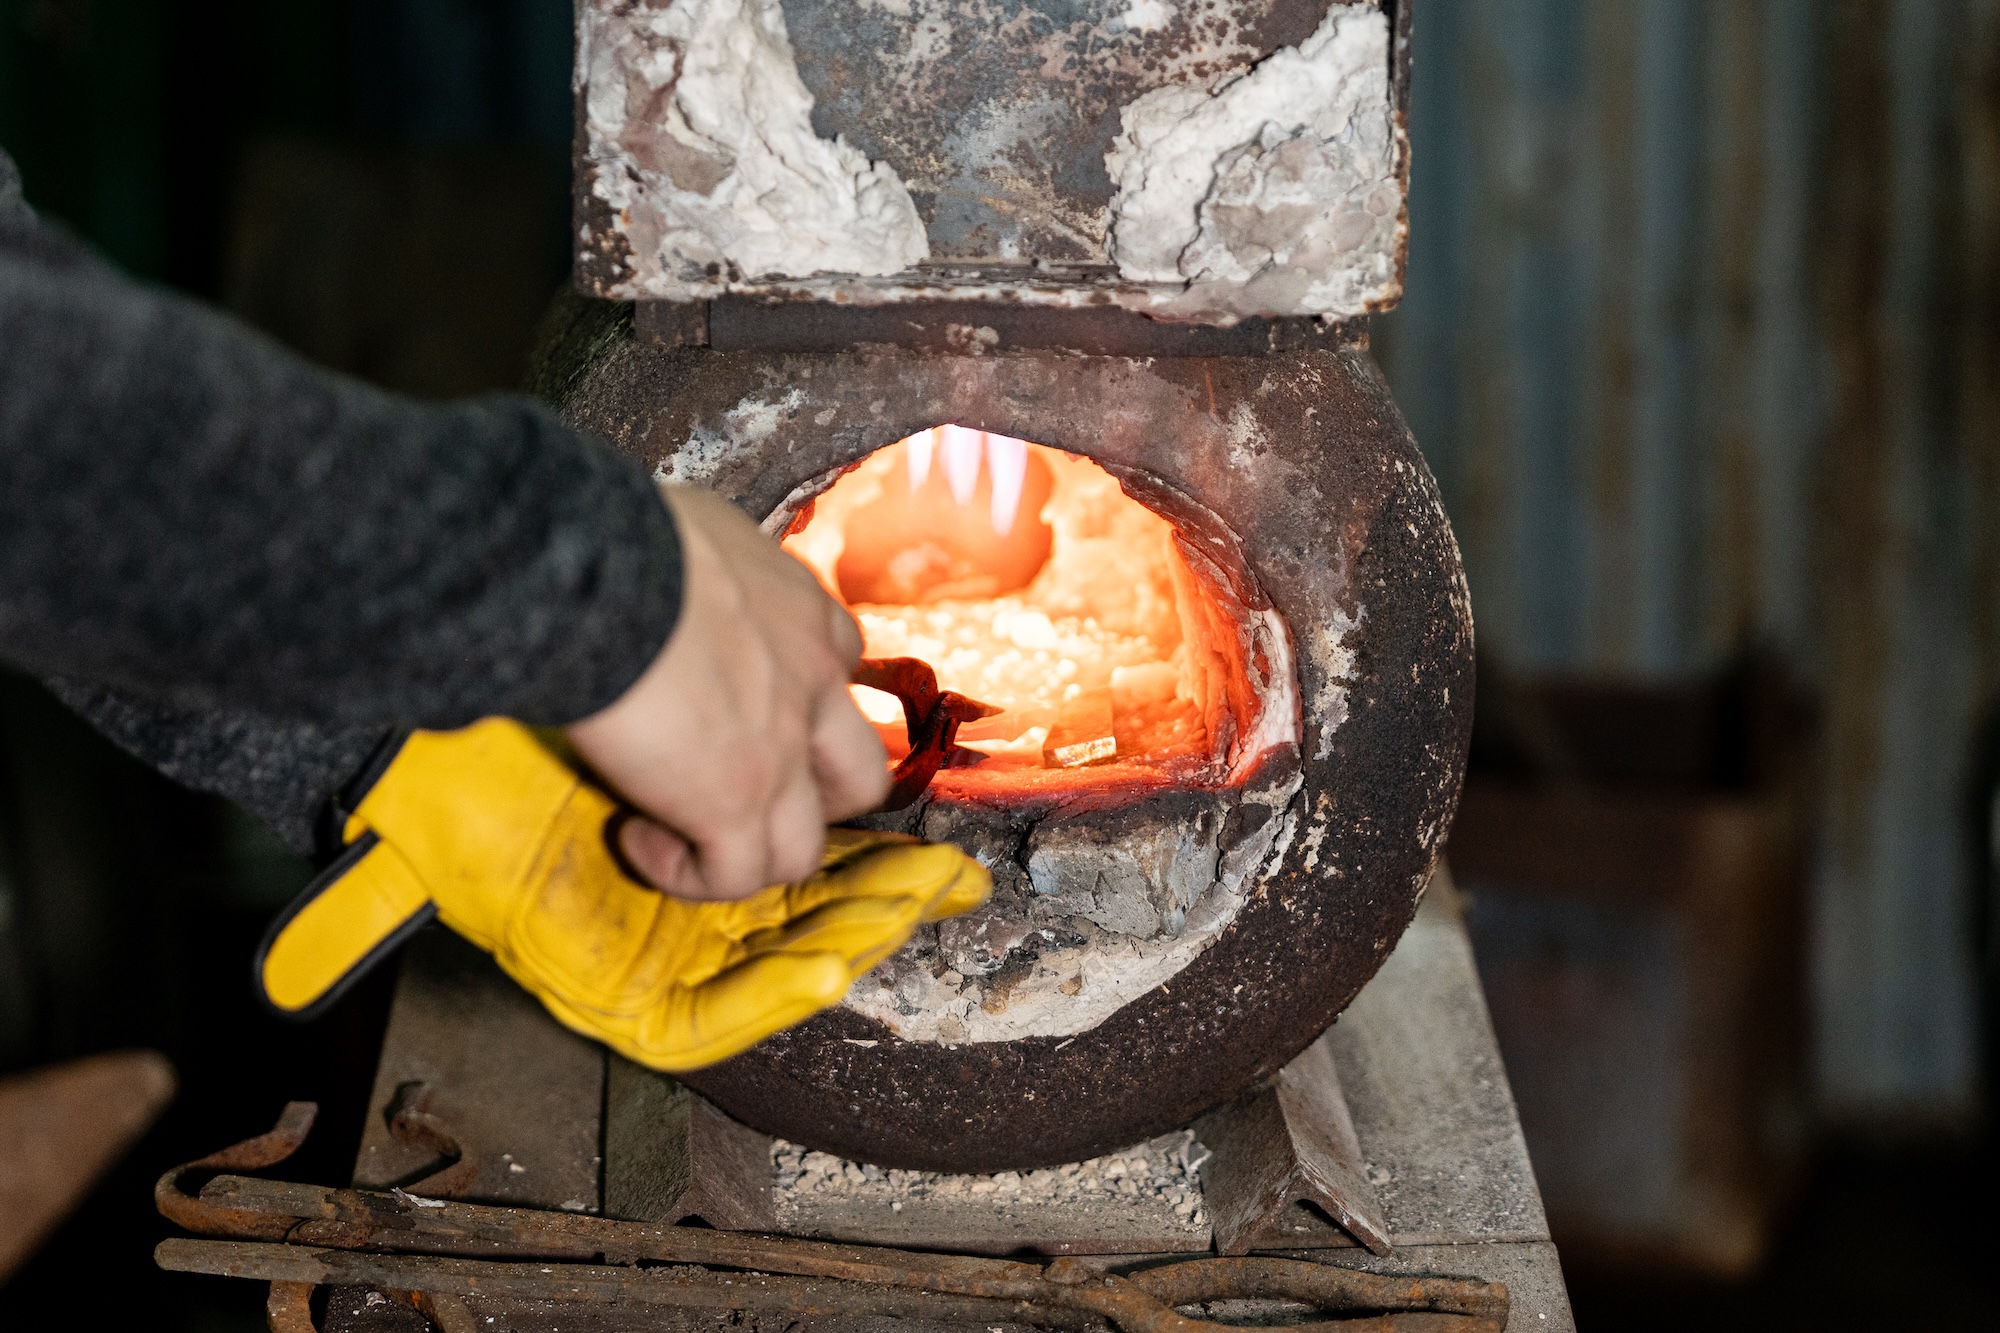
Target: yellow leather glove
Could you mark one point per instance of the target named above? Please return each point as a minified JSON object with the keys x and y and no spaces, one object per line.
{"x":496,"y":836}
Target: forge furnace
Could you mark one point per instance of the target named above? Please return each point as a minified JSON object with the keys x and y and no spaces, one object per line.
{"x":1039,"y":332}
{"x":1044,"y":341}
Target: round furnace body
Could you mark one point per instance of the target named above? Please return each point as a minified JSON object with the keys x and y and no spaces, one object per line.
{"x":1161,"y":936}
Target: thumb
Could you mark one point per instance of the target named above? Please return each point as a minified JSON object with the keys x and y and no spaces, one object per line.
{"x":920,"y":872}
{"x":859,"y":931}
{"x":972,"y":886}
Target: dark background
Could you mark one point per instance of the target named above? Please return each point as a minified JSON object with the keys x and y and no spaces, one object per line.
{"x":382,"y":184}
{"x":1701,"y":339}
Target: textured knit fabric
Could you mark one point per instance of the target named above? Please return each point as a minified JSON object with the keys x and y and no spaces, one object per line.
{"x":247,"y":569}
{"x":282,"y":771}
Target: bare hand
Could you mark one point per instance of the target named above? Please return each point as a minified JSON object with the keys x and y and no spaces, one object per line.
{"x":741,"y":739}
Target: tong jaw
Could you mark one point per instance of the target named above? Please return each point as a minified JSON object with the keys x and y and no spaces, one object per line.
{"x":931,"y":719}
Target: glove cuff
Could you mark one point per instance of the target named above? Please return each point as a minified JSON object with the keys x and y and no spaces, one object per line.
{"x":330,"y":831}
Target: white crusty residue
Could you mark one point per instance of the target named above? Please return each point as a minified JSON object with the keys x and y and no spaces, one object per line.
{"x":744,"y":432}
{"x":1147,"y":15}
{"x":702,"y":132}
{"x":1161,"y":1176}
{"x":1109,"y":921}
{"x":1070,"y":990}
{"x":1274,"y":193}
{"x":1333,"y":664}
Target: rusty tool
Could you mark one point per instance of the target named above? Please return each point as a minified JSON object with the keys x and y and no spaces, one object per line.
{"x":931,"y":719}
{"x":300,"y":1236}
{"x":412,"y":1121}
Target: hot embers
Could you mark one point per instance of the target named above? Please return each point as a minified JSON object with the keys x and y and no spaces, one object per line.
{"x":1030,"y":581}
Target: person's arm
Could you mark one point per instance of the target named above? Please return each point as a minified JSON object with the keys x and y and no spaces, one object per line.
{"x":196,"y":516}
{"x":756,"y":634}
{"x":232,"y":546}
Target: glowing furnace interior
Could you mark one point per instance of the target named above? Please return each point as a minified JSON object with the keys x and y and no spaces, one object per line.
{"x":1031,"y":581}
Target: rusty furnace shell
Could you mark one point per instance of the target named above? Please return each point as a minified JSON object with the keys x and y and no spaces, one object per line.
{"x":1304,"y":455}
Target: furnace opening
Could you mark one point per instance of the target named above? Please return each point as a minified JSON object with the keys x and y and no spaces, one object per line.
{"x":1031,"y":581}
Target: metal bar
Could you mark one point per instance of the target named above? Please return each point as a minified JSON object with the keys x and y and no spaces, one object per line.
{"x":288,"y":1308}
{"x":1330,"y":1288}
{"x":172,"y":1196}
{"x":1057,"y":1303}
{"x":333,"y":1230}
{"x":350,"y":1219}
{"x":988,"y":328}
{"x":299,"y":1268}
{"x":1288,"y":1142}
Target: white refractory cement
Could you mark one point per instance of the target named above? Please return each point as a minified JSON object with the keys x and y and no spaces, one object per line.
{"x":1273,"y":193}
{"x":702,"y":130}
{"x":1089,"y":924}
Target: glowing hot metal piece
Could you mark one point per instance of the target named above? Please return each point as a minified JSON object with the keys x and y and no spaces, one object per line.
{"x":962,"y":449}
{"x":1007,"y":464}
{"x":931,"y":719}
{"x":919,"y":448}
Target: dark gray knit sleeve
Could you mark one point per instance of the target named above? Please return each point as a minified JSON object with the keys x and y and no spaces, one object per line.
{"x":193,"y":517}
{"x":281,"y":771}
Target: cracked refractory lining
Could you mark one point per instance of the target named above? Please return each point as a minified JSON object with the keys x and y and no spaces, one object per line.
{"x":1088,"y":913}
{"x":706,"y":128}
{"x":1275,"y":191}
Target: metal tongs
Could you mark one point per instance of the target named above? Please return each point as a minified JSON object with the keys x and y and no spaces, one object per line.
{"x":931,"y":718}
{"x":436,"y":1253}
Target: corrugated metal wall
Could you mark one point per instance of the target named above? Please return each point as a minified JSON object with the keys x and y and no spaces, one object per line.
{"x":1700,"y":338}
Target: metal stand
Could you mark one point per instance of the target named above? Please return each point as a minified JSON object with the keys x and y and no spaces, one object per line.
{"x":671,"y":1157}
{"x":1287,"y":1143}
{"x":518,"y":1128}
{"x":1421,"y":1148}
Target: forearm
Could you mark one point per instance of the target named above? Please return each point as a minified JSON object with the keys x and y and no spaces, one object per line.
{"x":203,"y":521}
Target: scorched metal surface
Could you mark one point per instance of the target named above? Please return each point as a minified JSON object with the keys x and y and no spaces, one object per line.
{"x":1301,"y":462}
